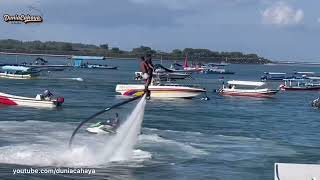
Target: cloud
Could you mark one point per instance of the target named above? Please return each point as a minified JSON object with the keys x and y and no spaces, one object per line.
{"x":282,"y":14}
{"x":170,"y":4}
{"x":192,"y":4}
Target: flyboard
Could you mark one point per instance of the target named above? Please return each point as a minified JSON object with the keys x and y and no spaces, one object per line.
{"x":101,"y":112}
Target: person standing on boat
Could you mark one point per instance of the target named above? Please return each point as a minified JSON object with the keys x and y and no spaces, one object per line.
{"x":150,"y":73}
{"x":145,"y":69}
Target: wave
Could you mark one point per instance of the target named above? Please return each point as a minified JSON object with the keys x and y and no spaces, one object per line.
{"x":43,"y":143}
{"x":156,"y":139}
{"x":173,"y":131}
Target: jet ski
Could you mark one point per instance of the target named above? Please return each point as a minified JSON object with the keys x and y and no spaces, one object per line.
{"x":99,"y":128}
{"x":108,"y":127}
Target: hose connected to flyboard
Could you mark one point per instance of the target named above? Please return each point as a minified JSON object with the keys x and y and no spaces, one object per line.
{"x":99,"y":113}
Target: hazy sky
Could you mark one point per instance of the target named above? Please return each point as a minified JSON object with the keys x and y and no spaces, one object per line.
{"x":281,"y":30}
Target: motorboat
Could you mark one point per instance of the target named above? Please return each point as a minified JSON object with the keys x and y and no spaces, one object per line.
{"x":214,"y":68}
{"x":316,"y":103}
{"x":99,"y":66}
{"x":217,"y":71}
{"x":82,"y":62}
{"x":164,"y":73}
{"x":44,"y":100}
{"x":160,"y":90}
{"x":42,"y":65}
{"x":285,"y":171}
{"x":176,"y":67}
{"x":294,"y":84}
{"x":274,"y":76}
{"x":194,"y":68}
{"x":185,"y":68}
{"x":247,"y":88}
{"x":18,"y":72}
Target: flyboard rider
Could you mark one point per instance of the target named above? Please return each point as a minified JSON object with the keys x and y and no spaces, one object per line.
{"x":147,"y":69}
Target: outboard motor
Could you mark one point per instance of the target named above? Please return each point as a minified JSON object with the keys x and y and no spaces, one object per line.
{"x":59,"y":101}
{"x":316,"y":103}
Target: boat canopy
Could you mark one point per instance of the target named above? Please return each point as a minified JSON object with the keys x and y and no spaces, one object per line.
{"x":294,"y":79}
{"x":314,"y":78}
{"x":15,"y":68}
{"x":88,"y":57}
{"x":304,"y":72}
{"x":246,"y":83}
{"x":275,"y":73}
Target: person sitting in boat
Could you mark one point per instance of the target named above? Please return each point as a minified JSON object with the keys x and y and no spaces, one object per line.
{"x":109,"y":126}
{"x":47,"y":95}
{"x":114,"y":123}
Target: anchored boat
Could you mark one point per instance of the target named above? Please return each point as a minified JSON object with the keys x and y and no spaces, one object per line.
{"x":273,"y":76}
{"x":310,"y":84}
{"x":163,"y":73}
{"x":18,"y":72}
{"x":41,"y":100}
{"x":99,"y":66}
{"x":247,"y":88}
{"x":214,"y":68}
{"x":42,"y":65}
{"x":160,"y":90}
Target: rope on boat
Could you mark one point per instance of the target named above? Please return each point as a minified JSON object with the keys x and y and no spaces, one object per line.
{"x":99,"y":113}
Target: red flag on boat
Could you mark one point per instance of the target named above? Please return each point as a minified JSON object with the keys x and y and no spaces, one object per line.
{"x":186,"y":62}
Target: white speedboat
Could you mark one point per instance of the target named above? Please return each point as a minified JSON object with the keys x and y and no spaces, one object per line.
{"x":41,"y":101}
{"x":244,"y":88}
{"x":160,"y":91}
{"x":164,"y":75}
{"x":290,"y":171}
{"x":18,"y":72}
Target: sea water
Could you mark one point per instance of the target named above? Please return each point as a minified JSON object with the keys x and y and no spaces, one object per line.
{"x":234,"y":138}
{"x":47,"y":146}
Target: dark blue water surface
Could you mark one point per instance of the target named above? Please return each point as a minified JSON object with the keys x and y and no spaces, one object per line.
{"x":224,"y":138}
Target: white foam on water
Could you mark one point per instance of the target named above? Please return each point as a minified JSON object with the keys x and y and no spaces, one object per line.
{"x":120,"y":147}
{"x":153,"y":138}
{"x":72,"y":79}
{"x":41,"y":143}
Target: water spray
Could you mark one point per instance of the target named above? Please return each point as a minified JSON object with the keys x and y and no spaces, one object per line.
{"x":99,"y":113}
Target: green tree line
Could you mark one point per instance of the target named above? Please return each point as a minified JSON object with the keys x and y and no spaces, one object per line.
{"x":53,"y":47}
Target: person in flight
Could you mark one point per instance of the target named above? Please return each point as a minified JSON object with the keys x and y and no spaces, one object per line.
{"x":147,"y":73}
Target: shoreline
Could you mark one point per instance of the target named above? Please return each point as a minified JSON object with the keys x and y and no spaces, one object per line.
{"x":69,"y":54}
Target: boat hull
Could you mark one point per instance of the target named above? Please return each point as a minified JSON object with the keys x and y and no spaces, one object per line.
{"x":217,"y":72}
{"x":8,"y":99}
{"x":15,"y":76}
{"x":248,"y":93}
{"x":310,"y":88}
{"x":160,"y":91}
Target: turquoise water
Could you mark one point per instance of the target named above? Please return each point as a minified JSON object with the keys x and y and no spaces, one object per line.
{"x":224,"y":138}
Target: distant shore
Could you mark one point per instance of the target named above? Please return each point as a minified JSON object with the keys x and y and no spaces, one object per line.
{"x":65,"y":49}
